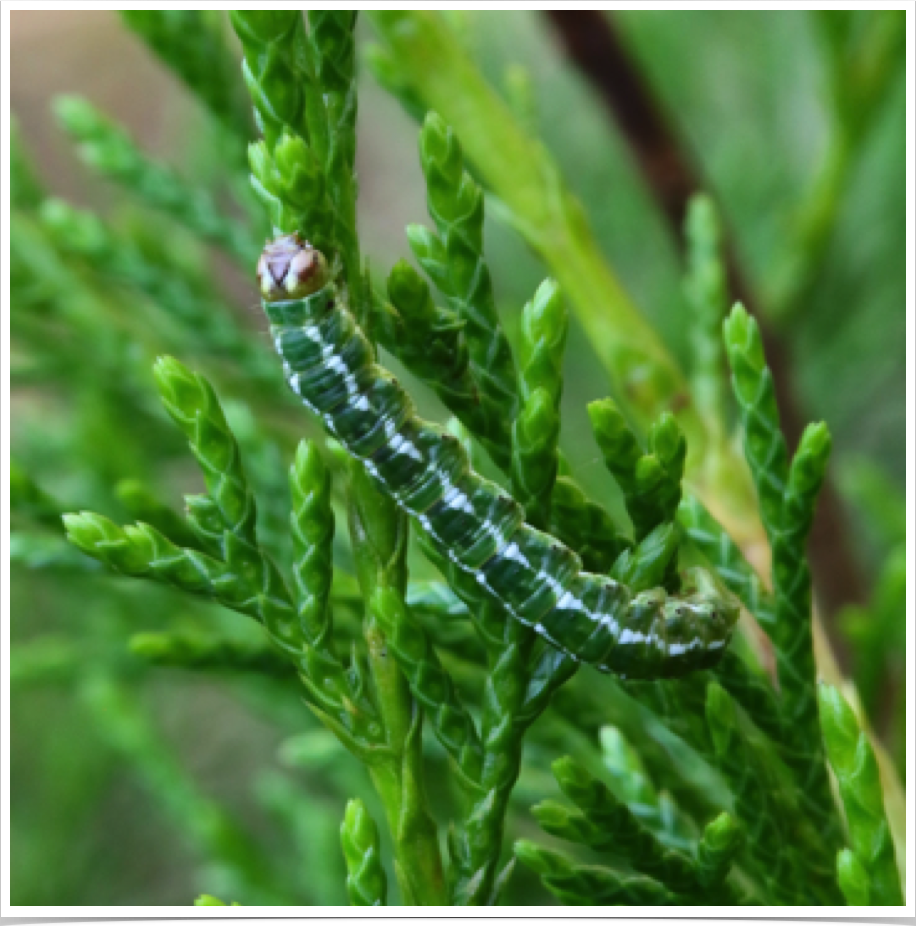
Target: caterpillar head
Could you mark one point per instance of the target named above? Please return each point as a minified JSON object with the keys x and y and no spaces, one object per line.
{"x":290,"y":268}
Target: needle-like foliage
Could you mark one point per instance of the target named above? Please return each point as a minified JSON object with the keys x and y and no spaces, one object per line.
{"x":422,"y":728}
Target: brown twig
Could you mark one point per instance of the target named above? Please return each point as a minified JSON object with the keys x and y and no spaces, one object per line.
{"x":593,"y":43}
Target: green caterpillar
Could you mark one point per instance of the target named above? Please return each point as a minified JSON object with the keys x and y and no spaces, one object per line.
{"x":330,"y":365}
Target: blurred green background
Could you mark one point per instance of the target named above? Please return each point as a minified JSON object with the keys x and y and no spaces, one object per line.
{"x":125,"y":777}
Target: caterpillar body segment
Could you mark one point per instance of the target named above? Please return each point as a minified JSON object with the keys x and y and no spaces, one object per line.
{"x":330,"y":365}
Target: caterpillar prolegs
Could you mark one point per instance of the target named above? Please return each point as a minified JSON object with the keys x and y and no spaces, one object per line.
{"x":329,"y":363}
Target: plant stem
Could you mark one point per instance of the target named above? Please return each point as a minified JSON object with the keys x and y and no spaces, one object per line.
{"x":379,"y":537}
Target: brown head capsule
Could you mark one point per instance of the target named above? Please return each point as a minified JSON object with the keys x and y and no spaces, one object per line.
{"x":291,"y":268}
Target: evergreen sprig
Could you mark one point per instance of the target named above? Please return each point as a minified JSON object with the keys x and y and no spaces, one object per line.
{"x":333,"y":58}
{"x":787,"y":496}
{"x":366,"y":881}
{"x":651,"y":481}
{"x":378,"y":532}
{"x":429,"y":340}
{"x":584,"y":526}
{"x":590,"y":885}
{"x":517,"y":689}
{"x":431,"y":686}
{"x":312,"y":529}
{"x":454,"y":261}
{"x":764,"y":444}
{"x":607,"y":825}
{"x":536,"y":429}
{"x":237,"y":573}
{"x":867,"y":871}
{"x":275,"y":49}
{"x":303,"y":89}
{"x":716,"y":788}
{"x":142,"y":504}
{"x":785,"y":848}
{"x":288,"y":174}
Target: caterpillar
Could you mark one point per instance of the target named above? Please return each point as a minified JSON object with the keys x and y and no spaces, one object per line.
{"x":330,"y":365}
